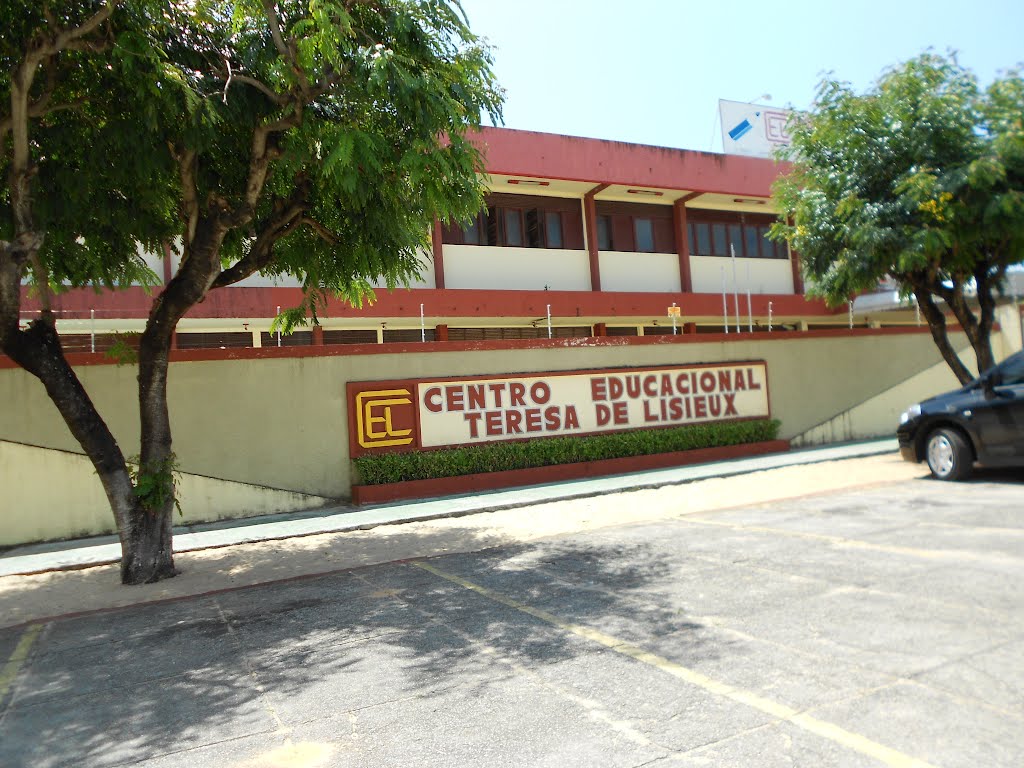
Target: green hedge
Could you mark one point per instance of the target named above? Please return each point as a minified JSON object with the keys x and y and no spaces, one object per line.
{"x":384,"y":468}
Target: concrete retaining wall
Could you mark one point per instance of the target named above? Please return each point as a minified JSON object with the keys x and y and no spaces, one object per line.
{"x":51,"y":494}
{"x":267,"y":431}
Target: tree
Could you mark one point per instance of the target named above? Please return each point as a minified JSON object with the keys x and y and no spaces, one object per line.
{"x":317,"y":139}
{"x":920,"y":179}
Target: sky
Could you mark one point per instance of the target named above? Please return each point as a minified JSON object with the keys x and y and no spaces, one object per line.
{"x":652,"y":71}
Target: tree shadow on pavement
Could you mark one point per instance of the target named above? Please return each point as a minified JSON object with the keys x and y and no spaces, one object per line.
{"x":252,"y":663}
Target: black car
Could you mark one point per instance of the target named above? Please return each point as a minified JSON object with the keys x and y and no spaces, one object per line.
{"x":983,"y":422}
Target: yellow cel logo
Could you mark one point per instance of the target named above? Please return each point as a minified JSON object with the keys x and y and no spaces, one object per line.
{"x":375,"y":418}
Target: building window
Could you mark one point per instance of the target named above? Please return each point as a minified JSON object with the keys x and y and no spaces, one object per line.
{"x":736,"y":240}
{"x":534,"y":227}
{"x":522,"y":221}
{"x":703,"y":238}
{"x":768,"y":246}
{"x":634,"y":227}
{"x":643,"y":230}
{"x":720,"y":240}
{"x":399,"y":335}
{"x":752,"y":242}
{"x":711,"y":233}
{"x":604,"y":233}
{"x":513,"y":228}
{"x":517,"y":333}
{"x":553,"y":229}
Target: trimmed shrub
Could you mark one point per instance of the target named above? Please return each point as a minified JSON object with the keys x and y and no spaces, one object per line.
{"x":380,"y":469}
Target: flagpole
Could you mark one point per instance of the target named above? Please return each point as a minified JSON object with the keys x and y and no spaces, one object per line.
{"x":735,"y":287}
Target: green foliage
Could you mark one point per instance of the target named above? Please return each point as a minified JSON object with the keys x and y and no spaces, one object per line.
{"x":497,"y":457}
{"x":123,"y":351}
{"x":102,"y":184}
{"x":373,"y":149}
{"x":920,"y":179}
{"x":389,"y":91}
{"x":155,"y":484}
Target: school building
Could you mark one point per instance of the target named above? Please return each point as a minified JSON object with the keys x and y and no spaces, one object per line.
{"x":605,"y":284}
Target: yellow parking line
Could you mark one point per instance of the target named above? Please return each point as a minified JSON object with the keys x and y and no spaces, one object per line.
{"x":822,"y":728}
{"x":839,"y":541}
{"x":17,"y":658}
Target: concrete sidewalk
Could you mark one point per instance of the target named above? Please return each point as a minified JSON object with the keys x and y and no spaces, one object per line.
{"x":104,"y":550}
{"x":72,"y":580}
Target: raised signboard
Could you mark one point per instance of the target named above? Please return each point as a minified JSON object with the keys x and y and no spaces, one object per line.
{"x":414,"y":414}
{"x":753,"y":129}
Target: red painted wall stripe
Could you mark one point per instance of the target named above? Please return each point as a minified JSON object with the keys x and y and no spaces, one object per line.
{"x":134,"y":303}
{"x":457,"y":347}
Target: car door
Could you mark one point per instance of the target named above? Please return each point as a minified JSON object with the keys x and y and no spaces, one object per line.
{"x":999,"y":416}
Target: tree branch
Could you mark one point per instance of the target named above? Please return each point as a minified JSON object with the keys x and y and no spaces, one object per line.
{"x":42,"y":280}
{"x":187,"y":161}
{"x":325,"y":234}
{"x":66,"y":38}
{"x":984,"y":283}
{"x":270,"y":9}
{"x":260,"y":157}
{"x":227,"y":83}
{"x":285,"y":220}
{"x":293,"y":58}
{"x":937,"y":325}
{"x":262,"y":87}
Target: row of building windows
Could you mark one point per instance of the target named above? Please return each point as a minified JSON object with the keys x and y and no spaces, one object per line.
{"x":634,"y":233}
{"x":520,"y":221}
{"x":521,"y":228}
{"x":749,"y":238}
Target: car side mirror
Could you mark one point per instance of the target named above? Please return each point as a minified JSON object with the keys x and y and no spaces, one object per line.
{"x":989,"y":384}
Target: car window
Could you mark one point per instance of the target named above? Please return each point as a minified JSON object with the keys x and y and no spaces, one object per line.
{"x":1012,"y":371}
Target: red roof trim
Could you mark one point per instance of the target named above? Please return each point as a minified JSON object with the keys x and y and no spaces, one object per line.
{"x":571,"y":158}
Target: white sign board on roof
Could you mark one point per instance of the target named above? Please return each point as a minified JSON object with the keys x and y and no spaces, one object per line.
{"x":753,"y":129}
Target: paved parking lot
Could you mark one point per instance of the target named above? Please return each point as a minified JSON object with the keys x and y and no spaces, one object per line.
{"x":884,"y":627}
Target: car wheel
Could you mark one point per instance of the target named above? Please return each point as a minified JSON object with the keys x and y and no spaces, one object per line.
{"x":948,"y":454}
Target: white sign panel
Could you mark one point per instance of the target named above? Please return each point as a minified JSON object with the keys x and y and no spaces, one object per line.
{"x":546,"y":405}
{"x":753,"y":129}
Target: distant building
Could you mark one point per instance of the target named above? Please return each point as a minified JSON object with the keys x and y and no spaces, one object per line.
{"x":606,"y":236}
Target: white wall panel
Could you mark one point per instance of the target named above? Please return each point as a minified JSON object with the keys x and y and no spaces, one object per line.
{"x":523,"y":269}
{"x":640,"y":272}
{"x":262,"y":281}
{"x":766,"y":275}
{"x":426,"y":279}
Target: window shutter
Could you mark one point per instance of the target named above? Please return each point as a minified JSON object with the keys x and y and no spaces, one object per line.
{"x":451,"y":234}
{"x":572,"y":226}
{"x":664,"y":236}
{"x":622,"y":233}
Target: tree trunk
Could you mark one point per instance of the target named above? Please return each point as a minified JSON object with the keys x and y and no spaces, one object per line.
{"x":152,"y":555}
{"x":979,"y":338}
{"x":937,"y":325}
{"x":146,"y":552}
{"x":987,"y":315}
